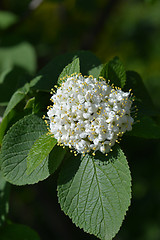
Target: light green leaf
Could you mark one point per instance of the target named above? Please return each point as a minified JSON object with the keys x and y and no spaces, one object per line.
{"x":18,"y":232}
{"x":39,"y":151}
{"x":4,"y":199}
{"x":7,"y":19}
{"x":15,"y":148}
{"x":95,"y":72}
{"x":73,"y":67}
{"x":21,"y":55}
{"x":95,"y":192}
{"x":30,"y":103}
{"x":115,"y":72}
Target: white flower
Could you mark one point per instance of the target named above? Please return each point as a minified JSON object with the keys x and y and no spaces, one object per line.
{"x":89,"y":115}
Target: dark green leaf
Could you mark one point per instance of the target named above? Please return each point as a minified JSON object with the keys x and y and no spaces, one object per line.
{"x":115,"y":72}
{"x":146,"y":128}
{"x":16,"y":98}
{"x":42,"y":100}
{"x":95,"y":192}
{"x":39,"y":151}
{"x":10,"y":111}
{"x":15,"y":148}
{"x":55,"y":158}
{"x":48,"y":76}
{"x":10,"y":81}
{"x":18,"y":232}
{"x":142,"y":98}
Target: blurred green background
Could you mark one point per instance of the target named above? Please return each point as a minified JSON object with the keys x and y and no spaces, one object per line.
{"x":31,"y":34}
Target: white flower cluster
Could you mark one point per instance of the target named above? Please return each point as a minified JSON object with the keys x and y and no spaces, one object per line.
{"x":89,"y":115}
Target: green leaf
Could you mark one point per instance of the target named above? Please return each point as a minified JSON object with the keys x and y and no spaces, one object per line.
{"x":146,"y":128}
{"x":55,"y":158}
{"x":7,"y":19}
{"x":73,"y":67}
{"x":30,"y":103}
{"x":5,"y":123}
{"x":42,"y":99}
{"x":95,"y":72}
{"x":4,"y":199}
{"x":10,"y":111}
{"x":10,"y":81}
{"x":48,"y":76}
{"x":16,"y":98}
{"x":95,"y":192}
{"x":143,"y":100}
{"x":115,"y":72}
{"x":18,"y":232}
{"x":39,"y":151}
{"x":15,"y":148}
{"x":3,"y":75}
{"x":21,"y":55}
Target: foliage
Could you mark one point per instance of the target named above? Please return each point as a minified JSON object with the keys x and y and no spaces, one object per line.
{"x":115,"y":71}
{"x":94,"y":191}
{"x":18,"y":232}
{"x":32,"y":33}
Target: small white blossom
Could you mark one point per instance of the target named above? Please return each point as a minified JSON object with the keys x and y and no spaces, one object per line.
{"x":89,"y":114}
